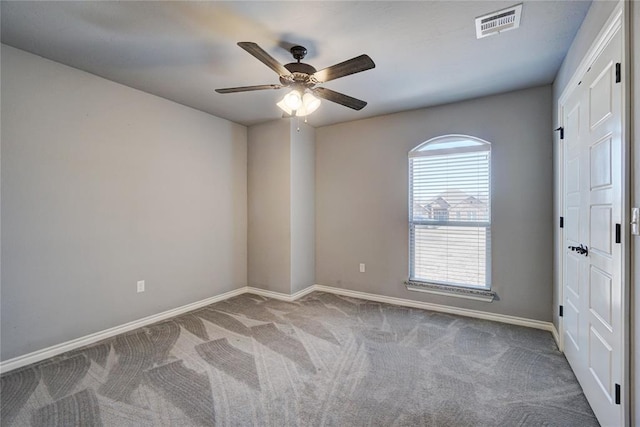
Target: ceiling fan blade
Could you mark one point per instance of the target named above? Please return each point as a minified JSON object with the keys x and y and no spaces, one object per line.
{"x":264,"y":57}
{"x":351,"y":66}
{"x":248,"y":88}
{"x":339,"y":98}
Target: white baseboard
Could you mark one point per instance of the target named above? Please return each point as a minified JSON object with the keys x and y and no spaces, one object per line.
{"x":39,"y":355}
{"x":45,"y":353}
{"x":503,"y":318}
{"x":279,"y":295}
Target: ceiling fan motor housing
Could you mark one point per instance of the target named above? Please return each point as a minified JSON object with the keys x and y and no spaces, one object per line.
{"x":300,"y":73}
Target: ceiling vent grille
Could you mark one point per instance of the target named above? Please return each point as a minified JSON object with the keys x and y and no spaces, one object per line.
{"x":497,"y":22}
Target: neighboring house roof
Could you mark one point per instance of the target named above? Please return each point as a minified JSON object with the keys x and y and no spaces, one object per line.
{"x":450,"y":199}
{"x":419,"y":209}
{"x":439,"y":203}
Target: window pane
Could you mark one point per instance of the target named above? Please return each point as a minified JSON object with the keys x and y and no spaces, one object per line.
{"x":450,"y":213}
{"x":451,"y":255}
{"x":450,"y":143}
{"x":454,"y":186}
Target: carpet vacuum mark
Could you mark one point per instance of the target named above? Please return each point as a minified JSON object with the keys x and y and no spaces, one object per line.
{"x":324,"y":360}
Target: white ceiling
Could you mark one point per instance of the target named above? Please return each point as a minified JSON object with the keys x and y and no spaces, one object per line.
{"x":426,"y":53}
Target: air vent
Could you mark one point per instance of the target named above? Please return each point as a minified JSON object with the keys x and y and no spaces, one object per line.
{"x":497,"y":22}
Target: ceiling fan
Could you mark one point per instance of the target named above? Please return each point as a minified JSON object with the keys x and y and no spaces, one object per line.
{"x":303,"y":80}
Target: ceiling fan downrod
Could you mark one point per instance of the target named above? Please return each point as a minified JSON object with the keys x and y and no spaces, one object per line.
{"x":298,"y":52}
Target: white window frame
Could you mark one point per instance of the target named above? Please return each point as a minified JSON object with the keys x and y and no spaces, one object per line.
{"x":461,"y":289}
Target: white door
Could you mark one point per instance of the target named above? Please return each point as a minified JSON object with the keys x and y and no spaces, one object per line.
{"x":573,"y":261}
{"x":593,"y":326}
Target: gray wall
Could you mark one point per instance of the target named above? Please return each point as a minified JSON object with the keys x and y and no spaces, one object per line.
{"x":596,"y":17}
{"x":361,"y":199}
{"x":302,"y":207}
{"x":104,"y":185}
{"x":269,"y":154}
{"x":281,"y":206}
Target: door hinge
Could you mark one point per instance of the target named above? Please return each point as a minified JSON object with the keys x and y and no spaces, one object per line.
{"x":561,"y":311}
{"x":618,"y":71}
{"x":561,"y":130}
{"x":561,"y":222}
{"x":618,"y":394}
{"x":618,"y":233}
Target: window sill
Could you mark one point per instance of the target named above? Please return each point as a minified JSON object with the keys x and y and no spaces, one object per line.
{"x":451,"y":291}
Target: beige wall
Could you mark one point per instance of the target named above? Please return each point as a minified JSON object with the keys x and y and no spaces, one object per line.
{"x":104,"y":185}
{"x":361,"y":199}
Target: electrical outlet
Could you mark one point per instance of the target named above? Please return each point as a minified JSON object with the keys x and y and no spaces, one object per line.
{"x":361,"y":268}
{"x":140,"y":286}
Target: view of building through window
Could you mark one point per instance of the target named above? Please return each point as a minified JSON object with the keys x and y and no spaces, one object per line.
{"x":450,"y":216}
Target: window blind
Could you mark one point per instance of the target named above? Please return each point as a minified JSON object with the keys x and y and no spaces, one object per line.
{"x":450,"y":214}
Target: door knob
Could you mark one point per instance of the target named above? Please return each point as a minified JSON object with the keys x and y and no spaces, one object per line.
{"x":583,"y":250}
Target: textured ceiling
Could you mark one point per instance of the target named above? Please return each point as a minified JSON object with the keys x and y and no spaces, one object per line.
{"x":425,"y":52}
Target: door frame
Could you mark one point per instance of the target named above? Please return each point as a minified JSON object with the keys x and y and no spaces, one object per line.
{"x":616,"y":21}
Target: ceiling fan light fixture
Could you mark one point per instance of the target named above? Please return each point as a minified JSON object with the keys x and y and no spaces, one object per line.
{"x":283,"y":107}
{"x":306,"y":105}
{"x":293,"y":100}
{"x":310,"y":103}
{"x":302,"y":79}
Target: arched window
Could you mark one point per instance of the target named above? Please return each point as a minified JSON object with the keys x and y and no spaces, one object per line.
{"x":450,"y":212}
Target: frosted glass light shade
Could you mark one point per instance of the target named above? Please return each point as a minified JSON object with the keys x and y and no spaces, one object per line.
{"x":283,"y":107}
{"x":293,"y":100}
{"x":306,"y":105}
{"x":310,"y":103}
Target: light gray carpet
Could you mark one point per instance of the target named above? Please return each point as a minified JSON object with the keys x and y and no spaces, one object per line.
{"x":323,"y":360}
